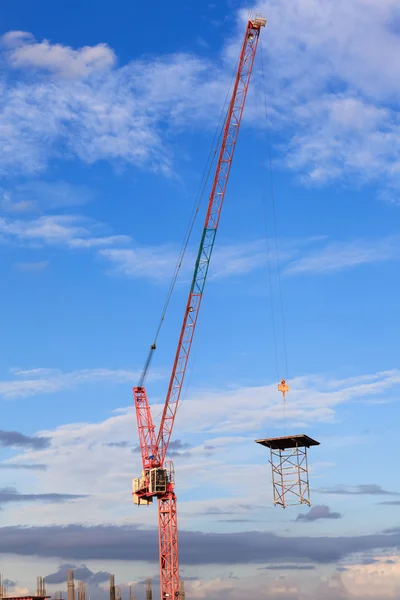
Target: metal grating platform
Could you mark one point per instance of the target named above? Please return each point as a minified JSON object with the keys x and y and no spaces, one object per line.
{"x":289,"y":441}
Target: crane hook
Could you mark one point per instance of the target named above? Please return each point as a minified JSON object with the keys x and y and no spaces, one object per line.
{"x":284,"y":388}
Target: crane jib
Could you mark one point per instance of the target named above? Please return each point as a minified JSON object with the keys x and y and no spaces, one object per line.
{"x":216,"y":199}
{"x":203,"y":260}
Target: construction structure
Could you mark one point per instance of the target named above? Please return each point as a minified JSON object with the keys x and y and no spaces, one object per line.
{"x":28,"y":597}
{"x":3,"y":589}
{"x":182,"y":591}
{"x":290,"y":479}
{"x":40,"y":591}
{"x":157,"y":479}
{"x":81,"y":590}
{"x":70,"y":585}
{"x":149,"y":591}
{"x":78,"y":592}
{"x":112,"y":587}
{"x":132,"y":594}
{"x":40,"y":586}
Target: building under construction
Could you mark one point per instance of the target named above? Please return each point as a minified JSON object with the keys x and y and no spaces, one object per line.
{"x":77,"y":590}
{"x":28,"y":597}
{"x":40,"y":591}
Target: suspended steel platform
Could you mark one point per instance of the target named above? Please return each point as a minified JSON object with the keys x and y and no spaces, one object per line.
{"x":289,"y":464}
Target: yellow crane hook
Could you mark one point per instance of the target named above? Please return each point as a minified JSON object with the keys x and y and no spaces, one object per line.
{"x":284,"y":388}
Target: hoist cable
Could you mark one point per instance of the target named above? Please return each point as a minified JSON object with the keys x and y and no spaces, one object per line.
{"x":274,"y":217}
{"x":199,"y":197}
{"x":267,"y":241}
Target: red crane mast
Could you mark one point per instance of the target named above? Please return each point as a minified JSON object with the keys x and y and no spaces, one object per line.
{"x":157,"y":480}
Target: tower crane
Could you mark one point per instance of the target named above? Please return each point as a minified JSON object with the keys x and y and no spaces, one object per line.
{"x":158,"y":480}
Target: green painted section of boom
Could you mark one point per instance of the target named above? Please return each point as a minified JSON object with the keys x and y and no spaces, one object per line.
{"x":203,"y":260}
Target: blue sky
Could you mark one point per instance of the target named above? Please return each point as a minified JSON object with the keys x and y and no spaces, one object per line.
{"x":106,"y":123}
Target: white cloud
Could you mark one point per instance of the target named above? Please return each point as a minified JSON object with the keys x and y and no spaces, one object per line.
{"x":235,"y":582}
{"x":312,"y":400}
{"x":9,"y":205}
{"x":71,"y":231}
{"x":343,"y":135}
{"x":107,"y":112}
{"x":45,"y":381}
{"x":61,"y":60}
{"x":332,"y":87}
{"x":239,"y":259}
{"x":37,"y":196}
{"x":79,"y":452}
{"x":345,"y":255}
{"x":372,"y":580}
{"x":354,"y":43}
{"x":313,"y":255}
{"x":331,"y":90}
{"x":95,"y":242}
{"x":16,"y":38}
{"x":299,"y":256}
{"x":49,"y":229}
{"x":155,"y":263}
{"x":31,"y":266}
{"x":158,"y":262}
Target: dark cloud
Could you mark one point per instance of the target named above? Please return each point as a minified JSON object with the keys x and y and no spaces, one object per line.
{"x":216,"y":511}
{"x":369,"y":489}
{"x":9,"y":439}
{"x":209,"y":447}
{"x":123,"y":444}
{"x":288,"y":568}
{"x":238,"y":521}
{"x":82,"y":573}
{"x":80,"y":543}
{"x":232,"y":509}
{"x":178,"y":445}
{"x":99,"y":577}
{"x":21,"y":466}
{"x":248,"y":506}
{"x":8,"y":495}
{"x":369,"y":561}
{"x":316,"y":513}
{"x":9,"y":583}
{"x":391,"y":530}
{"x":178,"y":448}
{"x":60,"y":575}
{"x":175,"y":448}
{"x":390,"y":503}
{"x":176,"y":454}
